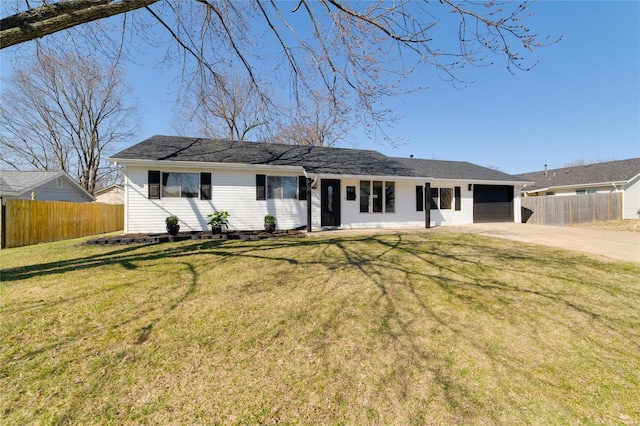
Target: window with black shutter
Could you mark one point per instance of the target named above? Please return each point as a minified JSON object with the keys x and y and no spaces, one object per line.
{"x":154,"y":184}
{"x":205,"y":186}
{"x":261,"y":183}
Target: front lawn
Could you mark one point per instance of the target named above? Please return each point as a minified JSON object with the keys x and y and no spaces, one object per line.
{"x":431,"y":328}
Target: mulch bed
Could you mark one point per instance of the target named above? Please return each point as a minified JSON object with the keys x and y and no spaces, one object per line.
{"x":201,"y":235}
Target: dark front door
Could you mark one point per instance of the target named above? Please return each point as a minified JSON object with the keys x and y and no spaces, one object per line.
{"x":330,"y":202}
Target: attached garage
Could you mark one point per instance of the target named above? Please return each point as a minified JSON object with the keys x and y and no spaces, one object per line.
{"x":492,"y":203}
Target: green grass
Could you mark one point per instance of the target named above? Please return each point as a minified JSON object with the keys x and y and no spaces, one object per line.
{"x":431,"y":328}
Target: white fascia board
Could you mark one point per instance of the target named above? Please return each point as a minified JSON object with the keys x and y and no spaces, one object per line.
{"x":416,"y":179}
{"x":589,"y":185}
{"x":366,"y":177}
{"x":160,"y":164}
{"x":533,"y":191}
{"x":495,"y":182}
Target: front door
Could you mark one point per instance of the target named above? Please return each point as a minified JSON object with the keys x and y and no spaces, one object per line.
{"x":330,"y":202}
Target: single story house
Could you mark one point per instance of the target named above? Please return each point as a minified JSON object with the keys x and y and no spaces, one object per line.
{"x":42,"y":186}
{"x":611,"y":176}
{"x":112,"y":194}
{"x":304,"y":187}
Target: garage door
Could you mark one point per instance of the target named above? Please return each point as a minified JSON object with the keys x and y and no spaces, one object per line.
{"x":492,"y":203}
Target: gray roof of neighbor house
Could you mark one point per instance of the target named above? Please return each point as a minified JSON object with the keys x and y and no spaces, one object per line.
{"x":598,"y":173}
{"x":315,"y":160}
{"x":16,"y":182}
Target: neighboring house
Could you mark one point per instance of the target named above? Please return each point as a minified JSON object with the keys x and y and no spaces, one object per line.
{"x":113,"y":194}
{"x":302,"y":186}
{"x":43,"y":186}
{"x":611,"y":176}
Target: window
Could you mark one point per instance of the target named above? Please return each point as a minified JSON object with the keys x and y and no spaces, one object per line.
{"x":365,"y":192}
{"x":419,"y":198}
{"x":435,"y":196}
{"x":585,"y":191}
{"x":442,"y":198}
{"x":446,"y":196}
{"x":389,"y":197}
{"x":351,"y":193}
{"x":180,"y":185}
{"x":282,"y":187}
{"x":377,"y":196}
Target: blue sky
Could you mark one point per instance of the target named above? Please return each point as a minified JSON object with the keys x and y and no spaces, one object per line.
{"x":582,"y":101}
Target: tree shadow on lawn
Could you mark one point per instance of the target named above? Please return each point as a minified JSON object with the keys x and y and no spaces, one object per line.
{"x":493,"y":284}
{"x":484,"y":280}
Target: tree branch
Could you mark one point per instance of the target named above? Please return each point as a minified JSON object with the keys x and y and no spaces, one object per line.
{"x":51,"y":18}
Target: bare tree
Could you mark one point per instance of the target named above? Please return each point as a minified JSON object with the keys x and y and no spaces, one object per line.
{"x":228,"y":107}
{"x":63,"y":112}
{"x":318,"y":122}
{"x":352,"y":52}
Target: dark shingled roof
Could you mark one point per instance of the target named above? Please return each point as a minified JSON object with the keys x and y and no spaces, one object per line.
{"x":442,"y":169}
{"x":322,"y":160}
{"x":610,"y":171}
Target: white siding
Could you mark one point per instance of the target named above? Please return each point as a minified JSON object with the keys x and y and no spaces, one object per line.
{"x":405,"y":214}
{"x":631,"y":199}
{"x":233,"y":191}
{"x":452,"y":217}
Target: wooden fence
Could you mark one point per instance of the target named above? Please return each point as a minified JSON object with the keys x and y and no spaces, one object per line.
{"x":565,"y":210}
{"x":26,"y":222}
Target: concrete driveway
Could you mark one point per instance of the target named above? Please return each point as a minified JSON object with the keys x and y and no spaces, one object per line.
{"x":614,"y":244}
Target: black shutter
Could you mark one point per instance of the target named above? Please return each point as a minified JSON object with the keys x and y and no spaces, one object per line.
{"x":154,"y":184}
{"x":205,"y":186}
{"x":427,"y":205}
{"x":419,"y":199}
{"x":302,"y":188}
{"x":458,"y":201}
{"x":261,"y":183}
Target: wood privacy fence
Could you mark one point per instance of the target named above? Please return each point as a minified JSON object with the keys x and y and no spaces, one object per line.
{"x":26,"y":222}
{"x":565,"y":210}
